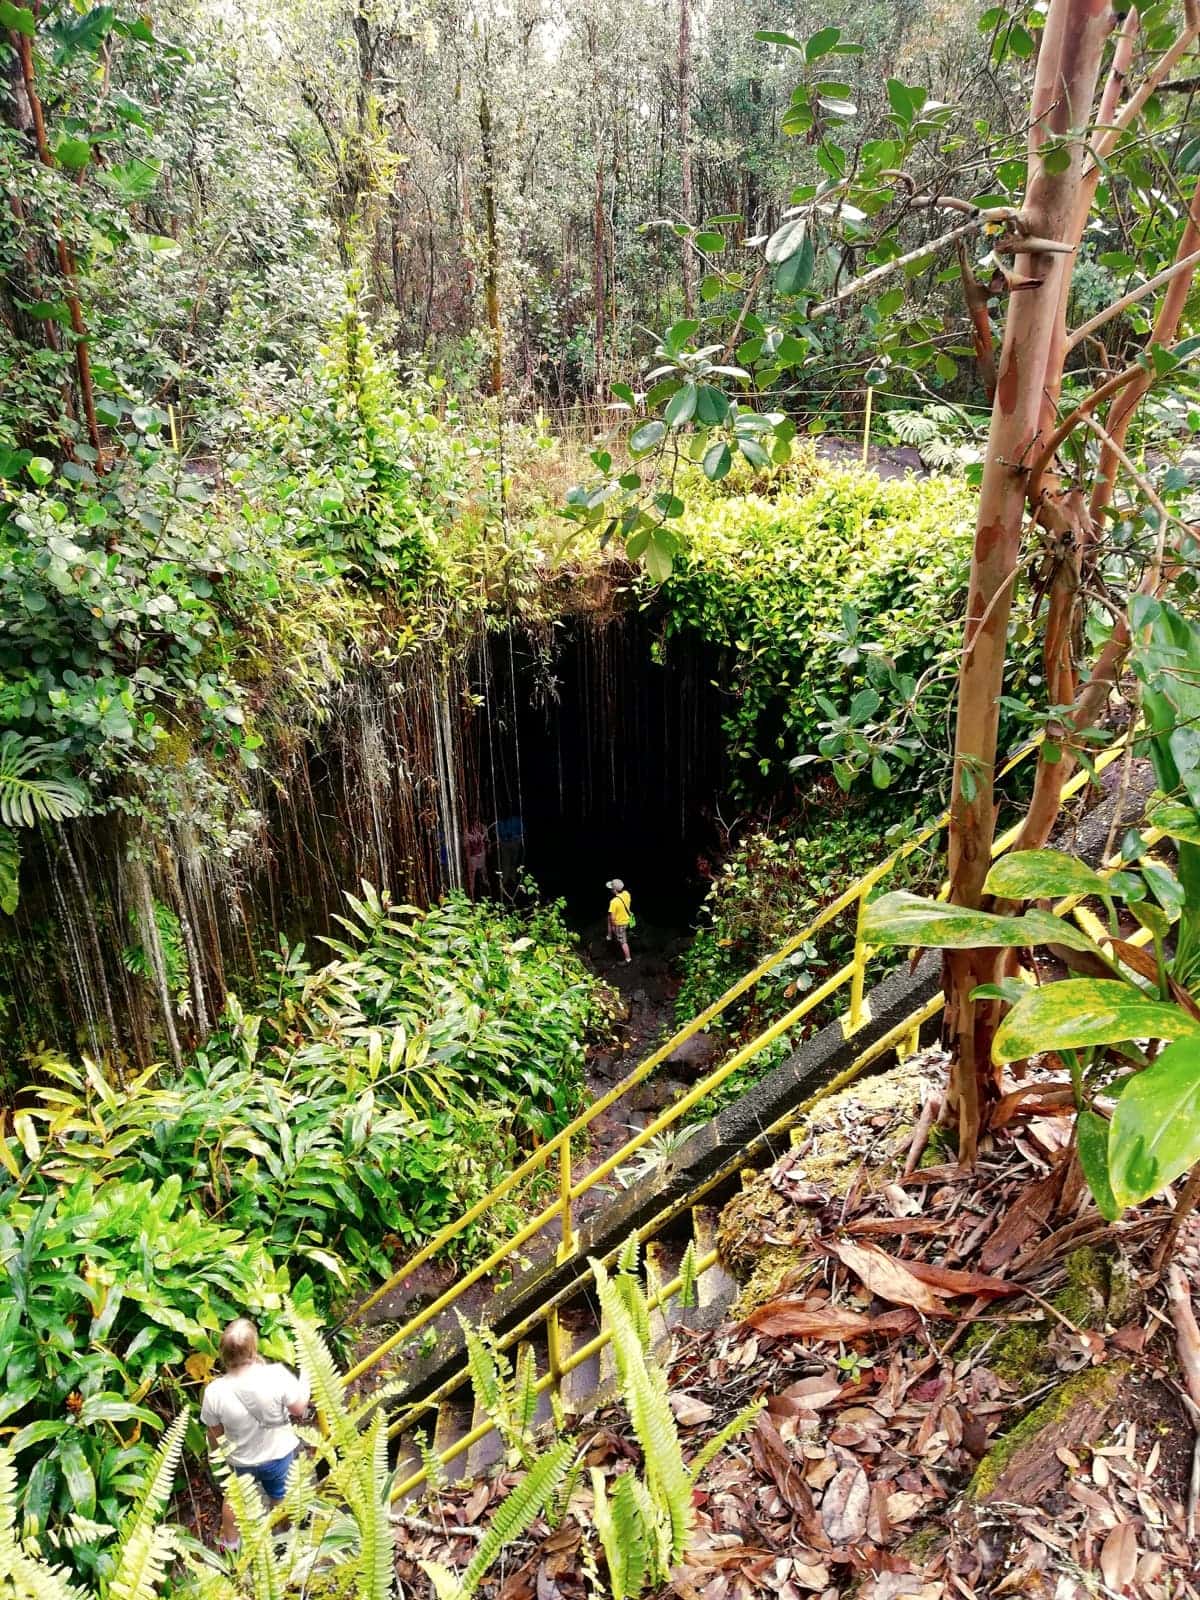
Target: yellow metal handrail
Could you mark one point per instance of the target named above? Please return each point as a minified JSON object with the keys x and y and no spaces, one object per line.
{"x":852,"y":974}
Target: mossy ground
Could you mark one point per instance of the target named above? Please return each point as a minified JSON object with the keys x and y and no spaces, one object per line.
{"x":1094,"y":1381}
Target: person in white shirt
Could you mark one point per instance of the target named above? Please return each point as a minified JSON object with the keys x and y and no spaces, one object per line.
{"x":252,"y":1408}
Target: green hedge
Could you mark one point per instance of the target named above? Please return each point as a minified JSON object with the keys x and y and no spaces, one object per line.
{"x":823,"y":589}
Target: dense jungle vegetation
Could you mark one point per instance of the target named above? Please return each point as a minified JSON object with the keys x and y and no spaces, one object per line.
{"x":358,"y":363}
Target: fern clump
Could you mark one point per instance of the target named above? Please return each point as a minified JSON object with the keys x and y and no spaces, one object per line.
{"x":644,"y":1523}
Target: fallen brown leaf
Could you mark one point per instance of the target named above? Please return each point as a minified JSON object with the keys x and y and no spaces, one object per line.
{"x":1025,"y":1217}
{"x":952,"y":1281}
{"x":805,"y":1319}
{"x":1119,"y":1557}
{"x":774,"y":1460}
{"x":689,"y":1411}
{"x":885,"y":1276}
{"x":845,"y":1505}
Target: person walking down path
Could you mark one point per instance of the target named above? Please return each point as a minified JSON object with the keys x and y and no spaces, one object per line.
{"x":252,"y":1408}
{"x":619,"y":915}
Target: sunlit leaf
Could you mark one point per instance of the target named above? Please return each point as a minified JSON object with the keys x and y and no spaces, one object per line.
{"x":1078,"y":1013}
{"x":1155,"y":1132}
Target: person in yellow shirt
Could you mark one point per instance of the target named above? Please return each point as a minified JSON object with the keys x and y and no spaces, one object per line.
{"x":619,"y":915}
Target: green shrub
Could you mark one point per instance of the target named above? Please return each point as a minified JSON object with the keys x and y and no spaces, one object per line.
{"x":112,"y":1293}
{"x":771,"y":886}
{"x":820,"y":589}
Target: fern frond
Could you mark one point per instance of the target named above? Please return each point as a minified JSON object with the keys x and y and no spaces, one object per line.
{"x":525,"y":1397}
{"x":634,"y":1297}
{"x":566,"y":1489}
{"x":629,"y":1255}
{"x":645,"y":1396}
{"x":432,"y":1464}
{"x":520,"y":1509}
{"x":155,"y":1493}
{"x":256,"y":1554}
{"x":325,"y":1381}
{"x":23,"y":1574}
{"x":145,"y":1557}
{"x":489,"y":1374}
{"x":730,"y":1431}
{"x":446,"y":1585}
{"x":687,"y":1276}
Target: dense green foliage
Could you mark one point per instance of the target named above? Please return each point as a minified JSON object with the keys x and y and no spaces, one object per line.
{"x":373,"y":1099}
{"x":839,"y":599}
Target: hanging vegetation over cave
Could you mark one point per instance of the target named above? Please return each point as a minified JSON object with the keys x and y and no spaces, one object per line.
{"x":453,"y":455}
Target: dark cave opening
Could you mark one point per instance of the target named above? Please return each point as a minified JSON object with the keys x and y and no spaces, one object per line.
{"x":600,"y":756}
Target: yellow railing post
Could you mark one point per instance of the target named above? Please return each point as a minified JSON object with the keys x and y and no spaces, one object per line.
{"x":566,"y":1243}
{"x":859,"y":1011}
{"x":566,"y":1247}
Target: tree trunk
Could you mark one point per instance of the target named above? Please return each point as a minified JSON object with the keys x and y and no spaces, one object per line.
{"x":1064,"y":89}
{"x":685,"y":151}
{"x":491,"y":273}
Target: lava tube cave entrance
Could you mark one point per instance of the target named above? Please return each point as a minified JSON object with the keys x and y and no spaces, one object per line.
{"x":601,"y":756}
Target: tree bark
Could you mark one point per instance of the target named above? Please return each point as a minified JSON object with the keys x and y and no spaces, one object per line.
{"x":1064,"y":89}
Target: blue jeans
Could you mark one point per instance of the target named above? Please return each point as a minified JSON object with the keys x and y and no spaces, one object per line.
{"x":270,"y":1476}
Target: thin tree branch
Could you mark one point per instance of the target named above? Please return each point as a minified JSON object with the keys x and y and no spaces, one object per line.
{"x":1086,"y":329}
{"x":1152,"y":82}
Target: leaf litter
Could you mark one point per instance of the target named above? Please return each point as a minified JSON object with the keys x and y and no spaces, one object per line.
{"x":949,"y":1413}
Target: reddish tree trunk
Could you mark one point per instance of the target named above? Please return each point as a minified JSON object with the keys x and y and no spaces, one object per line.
{"x":1064,"y":89}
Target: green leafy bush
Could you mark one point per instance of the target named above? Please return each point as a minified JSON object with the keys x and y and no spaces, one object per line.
{"x":111,"y":1292}
{"x":848,"y":586}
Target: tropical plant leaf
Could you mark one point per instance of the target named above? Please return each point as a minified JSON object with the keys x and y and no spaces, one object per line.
{"x":1077,"y":1013}
{"x":10,"y":870}
{"x":1155,"y":1132}
{"x":1046,"y":874}
{"x":1091,"y":1136}
{"x":28,"y":793}
{"x":907,"y":920}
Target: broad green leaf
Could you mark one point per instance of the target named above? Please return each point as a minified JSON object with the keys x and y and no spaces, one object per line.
{"x":73,"y":153}
{"x":717,"y":462}
{"x":1043,"y":875}
{"x":1155,"y":1132}
{"x":657,"y":560}
{"x":906,"y":919}
{"x":711,"y":405}
{"x":1078,"y":1013}
{"x":647,"y":436}
{"x":10,"y":870}
{"x":786,"y":240}
{"x":681,"y":407}
{"x":40,"y":470}
{"x":785,"y":39}
{"x":795,"y":274}
{"x":1180,"y":821}
{"x":20,"y":19}
{"x":820,"y":44}
{"x":1091,"y":1137}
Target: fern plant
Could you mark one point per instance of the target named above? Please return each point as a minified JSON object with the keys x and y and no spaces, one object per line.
{"x":135,"y":1569}
{"x":645,"y":1523}
{"x":508,"y":1398}
{"x":24,"y":1575}
{"x":33,"y":789}
{"x":514,"y":1516}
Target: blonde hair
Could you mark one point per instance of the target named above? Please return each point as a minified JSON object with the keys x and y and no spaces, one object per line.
{"x":239,"y":1343}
